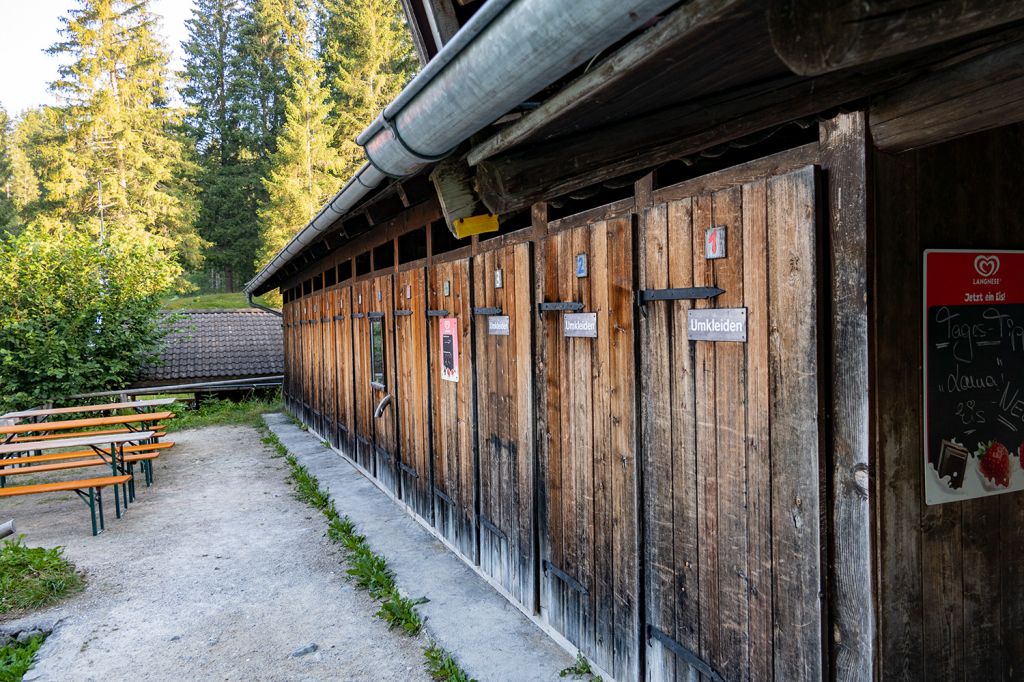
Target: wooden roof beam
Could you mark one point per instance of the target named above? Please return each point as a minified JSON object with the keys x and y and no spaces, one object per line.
{"x":814,"y":37}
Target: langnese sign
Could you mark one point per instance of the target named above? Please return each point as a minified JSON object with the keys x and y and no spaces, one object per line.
{"x":717,"y":324}
{"x":973,"y":374}
{"x":450,"y":349}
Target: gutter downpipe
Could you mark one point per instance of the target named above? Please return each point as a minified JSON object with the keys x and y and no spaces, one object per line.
{"x":506,"y":53}
{"x":254,"y":304}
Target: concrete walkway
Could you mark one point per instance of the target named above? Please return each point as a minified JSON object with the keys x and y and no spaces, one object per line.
{"x":489,"y":637}
{"x":216,"y":573}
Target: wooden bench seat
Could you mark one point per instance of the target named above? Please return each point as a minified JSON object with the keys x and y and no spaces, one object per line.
{"x":160,"y":433}
{"x":93,"y":461}
{"x":75,"y":454}
{"x":93,"y":498}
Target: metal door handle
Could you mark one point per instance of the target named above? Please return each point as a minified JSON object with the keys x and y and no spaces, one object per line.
{"x":381,"y":406}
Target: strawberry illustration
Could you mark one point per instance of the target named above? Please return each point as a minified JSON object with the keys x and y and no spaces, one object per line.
{"x":995,"y":462}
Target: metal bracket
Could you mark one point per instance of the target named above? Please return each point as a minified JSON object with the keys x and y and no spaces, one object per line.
{"x":375,"y":316}
{"x":489,"y":525}
{"x":403,"y":313}
{"x":565,"y":577}
{"x":685,"y":294}
{"x":325,"y":319}
{"x":694,"y":661}
{"x":560,"y":305}
{"x":445,"y":498}
{"x":338,"y":318}
{"x":357,"y":316}
{"x":437,"y":313}
{"x":487,"y":311}
{"x":408,"y":469}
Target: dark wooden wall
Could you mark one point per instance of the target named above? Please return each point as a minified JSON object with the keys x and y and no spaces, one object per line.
{"x":950,"y":576}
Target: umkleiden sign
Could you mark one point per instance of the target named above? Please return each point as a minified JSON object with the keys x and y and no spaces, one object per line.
{"x":717,"y":324}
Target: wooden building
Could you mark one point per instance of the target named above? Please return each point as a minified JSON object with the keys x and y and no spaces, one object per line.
{"x":733,"y":510}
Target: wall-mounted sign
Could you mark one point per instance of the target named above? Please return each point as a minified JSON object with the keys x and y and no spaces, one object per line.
{"x":497,"y":325}
{"x":717,"y":324}
{"x":973,"y":374}
{"x":499,"y":279}
{"x":449,"y":349}
{"x":580,"y":324}
{"x":581,"y":265}
{"x":408,"y":291}
{"x":714,"y":242}
{"x":378,"y":294}
{"x":447,"y":288}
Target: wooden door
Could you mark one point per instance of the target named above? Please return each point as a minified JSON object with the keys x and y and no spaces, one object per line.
{"x":307,"y":365}
{"x":588,"y":465}
{"x":317,"y":374}
{"x":454,"y":494}
{"x":287,"y":311}
{"x":364,"y":451}
{"x":730,"y":436}
{"x":503,"y":314}
{"x":341,"y":317}
{"x":411,"y":357}
{"x":328,"y":331}
{"x":382,"y":381}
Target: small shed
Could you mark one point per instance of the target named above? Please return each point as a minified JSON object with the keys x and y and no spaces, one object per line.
{"x":683,"y":322}
{"x":217,"y":346}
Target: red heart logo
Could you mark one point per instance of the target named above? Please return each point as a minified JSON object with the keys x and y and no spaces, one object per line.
{"x":986,"y":265}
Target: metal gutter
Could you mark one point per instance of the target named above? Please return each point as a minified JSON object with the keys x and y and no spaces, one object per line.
{"x":506,"y":53}
{"x":254,"y":304}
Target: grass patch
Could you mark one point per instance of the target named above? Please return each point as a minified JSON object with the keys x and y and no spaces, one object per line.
{"x":32,"y":577}
{"x":580,"y":669}
{"x":220,"y":301}
{"x":16,"y":659}
{"x":214,"y":412}
{"x":442,"y":666}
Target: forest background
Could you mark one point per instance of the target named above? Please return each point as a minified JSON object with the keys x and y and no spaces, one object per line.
{"x":123,"y":193}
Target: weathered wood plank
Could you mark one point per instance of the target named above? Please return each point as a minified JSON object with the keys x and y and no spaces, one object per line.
{"x":795,"y":432}
{"x":845,"y":149}
{"x":758,"y":436}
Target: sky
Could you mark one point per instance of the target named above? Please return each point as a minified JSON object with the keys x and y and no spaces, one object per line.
{"x":27,"y":27}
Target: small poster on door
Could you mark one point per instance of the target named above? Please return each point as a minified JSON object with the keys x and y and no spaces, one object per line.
{"x":973,"y":374}
{"x":450,"y":349}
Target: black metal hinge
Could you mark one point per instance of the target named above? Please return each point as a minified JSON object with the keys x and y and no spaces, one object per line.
{"x":686,"y":294}
{"x":408,"y":469}
{"x":339,"y":317}
{"x":487,"y":311}
{"x":560,"y":305}
{"x":375,"y":316}
{"x":444,"y":497}
{"x":692,"y":659}
{"x":489,"y":525}
{"x":325,"y":319}
{"x":357,"y":316}
{"x":437,"y":313}
{"x":565,"y":577}
{"x":403,"y":313}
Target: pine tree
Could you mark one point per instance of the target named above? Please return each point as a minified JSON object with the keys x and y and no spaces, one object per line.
{"x":8,"y":208}
{"x":230,"y":188}
{"x":305,"y":170}
{"x":123,"y":165}
{"x":368,"y":58}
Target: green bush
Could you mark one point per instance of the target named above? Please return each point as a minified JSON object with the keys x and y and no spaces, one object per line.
{"x":76,"y":315}
{"x":31,"y":577}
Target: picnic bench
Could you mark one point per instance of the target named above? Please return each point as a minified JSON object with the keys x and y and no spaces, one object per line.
{"x":127,"y":421}
{"x":43,"y":414}
{"x":90,"y":489}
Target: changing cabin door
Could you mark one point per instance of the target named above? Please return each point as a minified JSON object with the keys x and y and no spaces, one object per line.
{"x":588,"y":465}
{"x":730,"y":436}
{"x":364,"y":392}
{"x":341,"y":318}
{"x":413,"y":410}
{"x":451,"y":389}
{"x":382,"y":381}
{"x":330,"y":395}
{"x":320,"y":331}
{"x":504,"y":383}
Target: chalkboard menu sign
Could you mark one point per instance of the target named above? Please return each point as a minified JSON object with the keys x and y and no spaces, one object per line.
{"x":973,"y":374}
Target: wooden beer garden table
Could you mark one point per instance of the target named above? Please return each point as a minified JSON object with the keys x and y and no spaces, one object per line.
{"x":134,"y":422}
{"x":44,"y":414}
{"x":109,"y":447}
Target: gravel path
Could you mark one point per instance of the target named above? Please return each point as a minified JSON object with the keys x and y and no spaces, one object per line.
{"x":216,"y":572}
